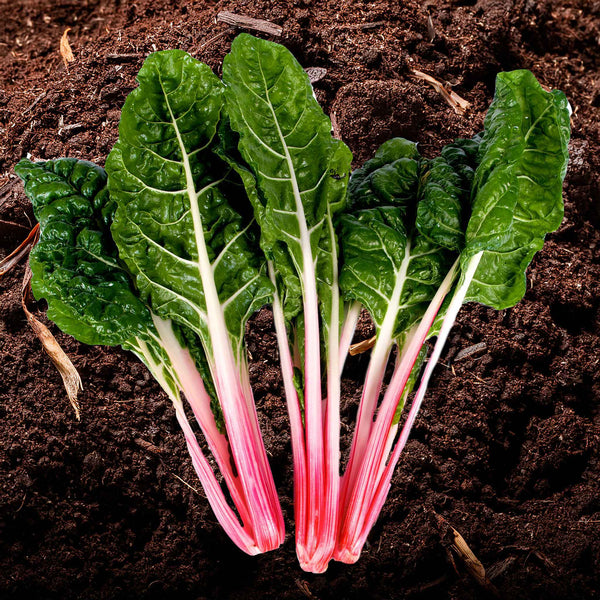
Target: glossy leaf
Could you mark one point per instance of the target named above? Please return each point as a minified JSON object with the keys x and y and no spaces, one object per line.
{"x":300,"y":169}
{"x":517,"y":190}
{"x":380,"y":256}
{"x":175,"y":228}
{"x":75,"y":264}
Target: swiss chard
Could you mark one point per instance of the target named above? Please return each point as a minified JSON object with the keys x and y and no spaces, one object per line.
{"x":301,"y":173}
{"x":161,"y":255}
{"x":174,"y":279}
{"x":511,"y":201}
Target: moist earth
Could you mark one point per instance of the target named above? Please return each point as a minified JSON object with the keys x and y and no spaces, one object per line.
{"x":506,"y":448}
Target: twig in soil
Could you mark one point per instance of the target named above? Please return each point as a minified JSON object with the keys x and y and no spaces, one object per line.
{"x":461,"y":549}
{"x":13,"y":259}
{"x":364,"y":26}
{"x":68,"y":372}
{"x":214,"y":38}
{"x":245,"y":22}
{"x":303,"y":587}
{"x":460,"y":105}
{"x":148,"y":446}
{"x":22,"y":503}
{"x":65,"y":48}
{"x":70,"y":127}
{"x":188,"y":485}
{"x":499,"y":568}
{"x":6,"y":226}
{"x":542,"y":558}
{"x":42,"y":95}
{"x":120,"y":58}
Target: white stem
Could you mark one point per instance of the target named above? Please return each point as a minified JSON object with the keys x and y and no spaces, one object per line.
{"x":247,"y":447}
{"x":348,"y":328}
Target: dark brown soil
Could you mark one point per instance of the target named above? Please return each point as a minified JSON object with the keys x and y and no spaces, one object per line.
{"x":506,"y":448}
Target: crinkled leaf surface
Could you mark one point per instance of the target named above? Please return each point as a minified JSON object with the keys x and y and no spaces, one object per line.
{"x":174,"y":226}
{"x":517,"y":190}
{"x":75,"y":264}
{"x":379,"y":255}
{"x":389,"y":178}
{"x":445,"y":185}
{"x":300,"y":169}
{"x":397,"y":250}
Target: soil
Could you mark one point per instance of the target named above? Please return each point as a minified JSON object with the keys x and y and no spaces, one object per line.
{"x":507,"y":445}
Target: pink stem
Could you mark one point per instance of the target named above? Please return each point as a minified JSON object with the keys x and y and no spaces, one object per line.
{"x":385,"y":481}
{"x":296,"y":425}
{"x":226,"y":517}
{"x":360,"y":497}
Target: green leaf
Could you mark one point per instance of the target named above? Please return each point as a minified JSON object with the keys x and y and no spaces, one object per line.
{"x":300,"y":169}
{"x":445,"y":186}
{"x":390,"y":177}
{"x":387,"y":269}
{"x":517,"y":190}
{"x":75,"y":264}
{"x":398,"y":249}
{"x":175,"y":228}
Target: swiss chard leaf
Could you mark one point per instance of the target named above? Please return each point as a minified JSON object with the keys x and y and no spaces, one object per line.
{"x":517,"y":190}
{"x":174,"y":227}
{"x":387,"y":268}
{"x":75,"y":264}
{"x":445,"y":185}
{"x":300,"y":169}
{"x":389,"y":178}
{"x":398,"y":246}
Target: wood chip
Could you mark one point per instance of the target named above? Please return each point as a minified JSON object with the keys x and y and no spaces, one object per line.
{"x":315,"y":73}
{"x":430,"y":29}
{"x":462,"y":550}
{"x":460,"y":105}
{"x":245,"y":22}
{"x":335,"y":128}
{"x":65,"y":48}
{"x":148,"y":446}
{"x":363,"y":346}
{"x":68,"y":372}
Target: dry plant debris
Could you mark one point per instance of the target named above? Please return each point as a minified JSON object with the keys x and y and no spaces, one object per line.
{"x":68,"y":372}
{"x":462,"y":550}
{"x":245,"y":22}
{"x":460,"y":105}
{"x":65,"y":48}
